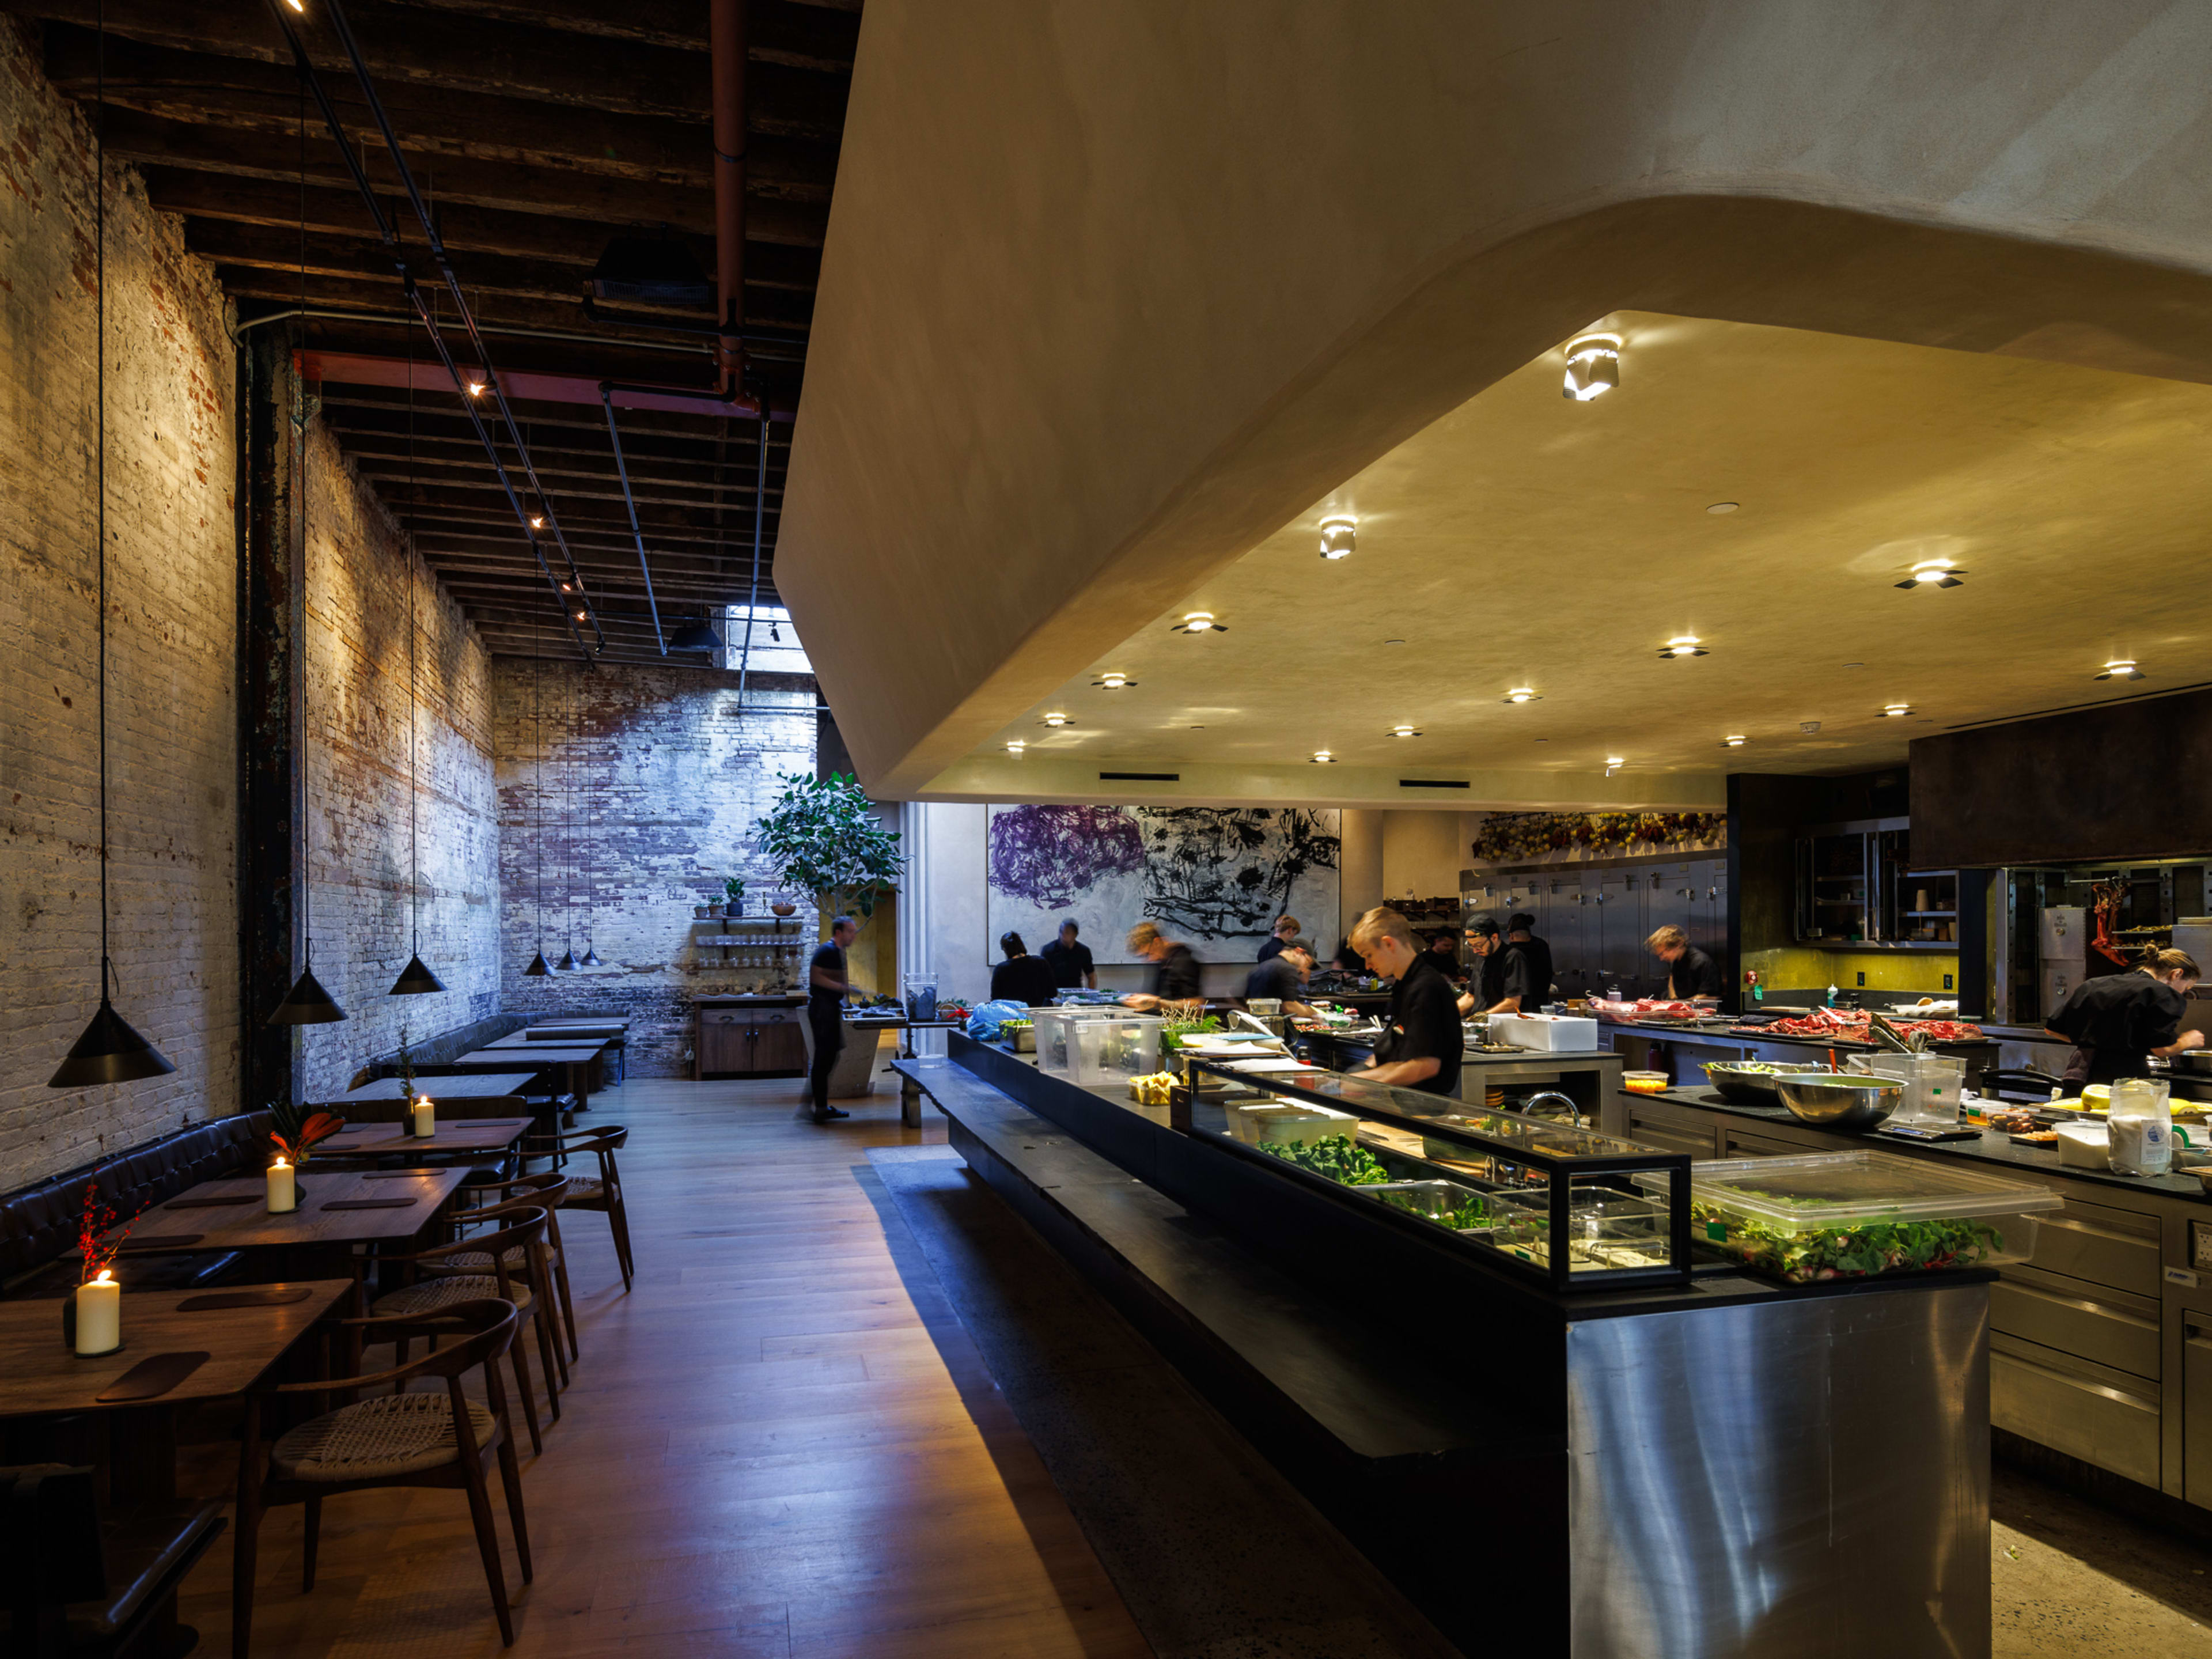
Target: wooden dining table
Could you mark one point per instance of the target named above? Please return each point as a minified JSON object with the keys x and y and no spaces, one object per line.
{"x":487,"y":1085}
{"x":338,"y":1210}
{"x":570,"y":1062}
{"x":235,"y":1334}
{"x":454,"y":1134}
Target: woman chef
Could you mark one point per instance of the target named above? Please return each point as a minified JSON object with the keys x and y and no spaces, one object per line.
{"x":2116,"y":1022}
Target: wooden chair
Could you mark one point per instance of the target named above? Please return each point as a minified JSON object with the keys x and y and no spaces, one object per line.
{"x":548,"y":1190}
{"x":602,"y":1192}
{"x":430,"y":1296}
{"x":79,"y":1584}
{"x":423,"y":1439}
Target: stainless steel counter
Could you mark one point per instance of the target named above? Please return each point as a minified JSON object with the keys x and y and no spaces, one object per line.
{"x":2101,"y":1345}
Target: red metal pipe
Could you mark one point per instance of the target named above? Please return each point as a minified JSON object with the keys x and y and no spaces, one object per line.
{"x":726,"y":40}
{"x":353,"y":368}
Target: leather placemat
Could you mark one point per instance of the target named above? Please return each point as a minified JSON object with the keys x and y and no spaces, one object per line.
{"x":370,"y":1203}
{"x":491,"y":1123}
{"x":276,"y":1296}
{"x":152,"y":1376}
{"x":213,"y":1203}
{"x":399,"y":1174}
{"x":162,"y":1240}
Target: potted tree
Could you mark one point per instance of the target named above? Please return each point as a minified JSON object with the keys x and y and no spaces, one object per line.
{"x":821,"y":837}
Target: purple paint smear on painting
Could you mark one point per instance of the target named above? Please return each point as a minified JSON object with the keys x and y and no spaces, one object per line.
{"x":1048,"y":854}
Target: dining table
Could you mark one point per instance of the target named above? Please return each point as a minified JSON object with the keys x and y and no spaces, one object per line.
{"x":453,"y":1135}
{"x":180,"y":1348}
{"x":485,"y":1085}
{"x":570,"y":1065}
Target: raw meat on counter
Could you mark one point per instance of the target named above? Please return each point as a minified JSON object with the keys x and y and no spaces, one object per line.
{"x":1643,"y":1008}
{"x":1854,"y":1025}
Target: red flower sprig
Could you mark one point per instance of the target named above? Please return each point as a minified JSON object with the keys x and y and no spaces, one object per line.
{"x":97,"y":1237}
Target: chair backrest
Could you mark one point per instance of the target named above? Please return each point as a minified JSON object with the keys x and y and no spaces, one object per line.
{"x":602,"y":1141}
{"x":471,"y":1334}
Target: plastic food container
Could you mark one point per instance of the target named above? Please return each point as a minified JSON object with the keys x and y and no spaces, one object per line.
{"x":1095,"y":1047}
{"x":1287,"y":1120}
{"x":1605,"y":1230}
{"x":1553,"y":1033}
{"x":1444,"y":1202}
{"x":1859,"y":1215}
{"x":1644,"y":1083}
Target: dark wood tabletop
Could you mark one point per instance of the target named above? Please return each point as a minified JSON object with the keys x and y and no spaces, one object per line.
{"x":536,"y":1053}
{"x":40,"y":1375}
{"x":581,"y":1032}
{"x":183,"y":1226}
{"x":445,"y":1088}
{"x":589,"y":1043}
{"x":456,"y":1132}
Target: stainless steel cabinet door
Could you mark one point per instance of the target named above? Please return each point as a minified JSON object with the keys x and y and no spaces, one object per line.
{"x":1563,"y":931}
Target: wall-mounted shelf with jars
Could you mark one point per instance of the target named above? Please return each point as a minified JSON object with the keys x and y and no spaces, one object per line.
{"x":769,"y":942}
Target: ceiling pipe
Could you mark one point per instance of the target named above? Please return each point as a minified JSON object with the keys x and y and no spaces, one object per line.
{"x":614,"y":437}
{"x":727,"y":45}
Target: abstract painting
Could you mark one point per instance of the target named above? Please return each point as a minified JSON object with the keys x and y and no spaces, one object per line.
{"x":1215,"y":877}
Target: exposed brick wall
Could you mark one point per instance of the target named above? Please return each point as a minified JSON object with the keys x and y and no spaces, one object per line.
{"x":667,"y":783}
{"x":173,"y":717}
{"x":358,"y":568}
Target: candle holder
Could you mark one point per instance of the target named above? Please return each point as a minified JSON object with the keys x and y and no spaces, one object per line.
{"x":99,"y":1240}
{"x":69,"y":1323}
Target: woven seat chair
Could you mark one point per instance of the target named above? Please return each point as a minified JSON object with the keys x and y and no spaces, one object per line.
{"x":426,"y":1439}
{"x":433,"y":1293}
{"x":602,"y":1192}
{"x":548,"y":1190}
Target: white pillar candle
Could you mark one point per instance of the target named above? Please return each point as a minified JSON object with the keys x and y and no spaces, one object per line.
{"x":425,"y":1113}
{"x":99,"y":1314}
{"x":283,"y":1190}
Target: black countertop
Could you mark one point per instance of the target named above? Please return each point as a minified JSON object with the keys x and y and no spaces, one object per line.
{"x":1995,"y":1146}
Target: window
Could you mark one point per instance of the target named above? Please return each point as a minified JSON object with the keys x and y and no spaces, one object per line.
{"x":775,"y":643}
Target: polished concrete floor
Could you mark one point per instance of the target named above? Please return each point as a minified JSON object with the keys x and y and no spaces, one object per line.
{"x":854,"y":1408}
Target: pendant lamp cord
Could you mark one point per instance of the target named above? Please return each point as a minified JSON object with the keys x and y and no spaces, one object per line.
{"x":300,"y":639}
{"x":100,"y":468}
{"x":414,"y":767}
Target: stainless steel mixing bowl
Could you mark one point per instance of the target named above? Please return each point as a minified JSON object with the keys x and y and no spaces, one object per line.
{"x":1839,"y":1100}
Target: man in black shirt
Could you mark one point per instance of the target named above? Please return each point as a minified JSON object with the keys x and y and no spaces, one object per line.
{"x":1525,"y":963}
{"x":1488,"y":989}
{"x":1070,"y":961}
{"x":826,"y":983}
{"x":1174,"y":970}
{"x":1690,"y":972}
{"x":1286,"y":929}
{"x":1021,"y":977}
{"x":1282,"y":977}
{"x":1444,"y":953}
{"x":2116,"y":1022}
{"x":1422,"y":1041}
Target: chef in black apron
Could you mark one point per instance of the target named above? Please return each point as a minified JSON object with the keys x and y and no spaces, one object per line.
{"x":1422,"y":1041}
{"x":2116,"y":1022}
{"x":1488,"y":989}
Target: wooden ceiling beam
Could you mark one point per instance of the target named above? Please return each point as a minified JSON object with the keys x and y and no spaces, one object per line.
{"x":383,"y":435}
{"x":431,"y":463}
{"x":581,"y":514}
{"x":567,"y":493}
{"x":804,"y":36}
{"x":635,"y":422}
{"x":473,"y":56}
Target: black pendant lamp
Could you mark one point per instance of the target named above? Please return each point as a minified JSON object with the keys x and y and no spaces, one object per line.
{"x":537,"y":969}
{"x":109,"y":1051}
{"x":416,"y":979}
{"x":306,"y":1003}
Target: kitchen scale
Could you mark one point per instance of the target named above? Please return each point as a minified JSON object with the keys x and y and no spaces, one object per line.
{"x":1914,"y":1133}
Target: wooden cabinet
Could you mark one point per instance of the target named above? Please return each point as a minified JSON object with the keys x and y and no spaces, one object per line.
{"x":766,"y":1038}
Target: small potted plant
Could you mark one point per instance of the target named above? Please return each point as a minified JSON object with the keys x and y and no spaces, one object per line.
{"x":294,"y":1131}
{"x":735,"y":887}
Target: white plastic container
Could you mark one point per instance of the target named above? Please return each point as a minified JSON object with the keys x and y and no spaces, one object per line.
{"x":1552,"y":1033}
{"x":1288,"y":1123}
{"x":2142,"y":1126}
{"x":1103,"y":1051}
{"x":1932,"y":1086}
{"x":2085,"y":1146}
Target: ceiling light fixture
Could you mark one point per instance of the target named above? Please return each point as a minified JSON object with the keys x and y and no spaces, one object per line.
{"x":1613,"y":763}
{"x":2121,"y":668}
{"x":1684,"y":645}
{"x":1322,"y":758}
{"x":298,"y":6}
{"x":1339,"y":537}
{"x":109,"y":1051}
{"x":1405,"y":731}
{"x":1896,"y":711}
{"x":1015,"y":746}
{"x":1934,"y":573}
{"x":1719,"y":507}
{"x":1522,"y":693}
{"x":476,"y":388}
{"x":1592,"y":367}
{"x":1198,"y":622}
{"x":537,"y":522}
{"x":1056,"y":720}
{"x":1112,"y":680}
{"x":1734,"y":740}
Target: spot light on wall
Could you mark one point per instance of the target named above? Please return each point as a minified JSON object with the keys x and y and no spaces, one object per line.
{"x":1112,"y":680}
{"x":1405,"y":732}
{"x":1322,"y":758}
{"x":1340,"y":537}
{"x":1015,"y":747}
{"x":1684,"y":645}
{"x":1934,"y":573}
{"x":1056,"y":720}
{"x":1896,"y":711}
{"x":1734,"y":740}
{"x":1198,"y":622}
{"x":1592,"y":367}
{"x":1522,"y":693}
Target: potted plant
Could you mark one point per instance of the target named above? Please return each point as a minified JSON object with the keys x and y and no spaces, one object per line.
{"x":821,"y":837}
{"x":295,"y":1130}
{"x":735,"y":887}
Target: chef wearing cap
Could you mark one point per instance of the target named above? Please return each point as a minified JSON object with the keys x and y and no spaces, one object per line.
{"x":1489,"y":987}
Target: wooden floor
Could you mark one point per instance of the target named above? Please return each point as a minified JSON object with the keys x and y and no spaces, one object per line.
{"x":763,"y":1454}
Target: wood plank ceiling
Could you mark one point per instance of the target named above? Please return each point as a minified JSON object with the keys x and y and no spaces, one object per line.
{"x":540,"y":132}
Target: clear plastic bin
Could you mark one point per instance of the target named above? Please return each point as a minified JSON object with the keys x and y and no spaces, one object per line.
{"x":1605,"y":1230}
{"x":1860,"y":1215}
{"x":1446,"y":1203}
{"x":921,"y":997}
{"x":1259,"y":1122}
{"x":1932,"y":1083}
{"x":1096,"y":1047}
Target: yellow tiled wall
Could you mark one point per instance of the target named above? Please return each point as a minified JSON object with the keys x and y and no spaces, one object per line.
{"x":1791,"y":968}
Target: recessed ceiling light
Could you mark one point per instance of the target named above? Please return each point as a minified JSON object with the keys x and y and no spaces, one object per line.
{"x":1614,"y":760}
{"x":1719,"y":507}
{"x":2121,"y":668}
{"x":1322,"y":758}
{"x":538,"y":521}
{"x":1592,"y":367}
{"x":476,"y":388}
{"x":1015,"y":746}
{"x":1198,"y":622}
{"x":1855,"y":665}
{"x":1405,"y":731}
{"x":1339,"y":537}
{"x":1394,"y":642}
{"x":1522,"y":693}
{"x":1896,"y":711}
{"x":1198,"y":728}
{"x":1056,"y":718}
{"x":1112,"y":680}
{"x":1684,"y":645}
{"x":1734,"y":740}
{"x":1808,"y":727}
{"x":1933,"y":572}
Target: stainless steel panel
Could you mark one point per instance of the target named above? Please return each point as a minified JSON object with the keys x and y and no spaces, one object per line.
{"x":2057,"y":984}
{"x":1563,"y":929}
{"x":2094,"y":1329}
{"x":2091,"y":1250}
{"x":2196,"y":1414}
{"x":2046,"y":1401}
{"x":1675,"y":1137}
{"x":1746,"y":1143}
{"x":1815,"y":1480}
{"x":2063,"y":934}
